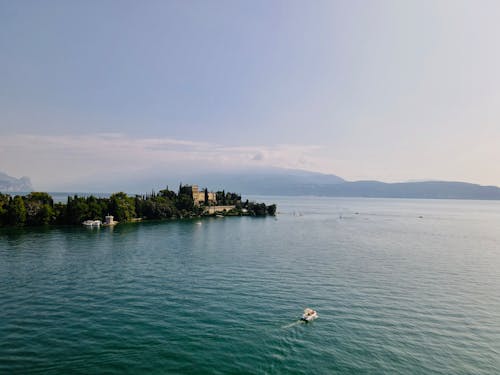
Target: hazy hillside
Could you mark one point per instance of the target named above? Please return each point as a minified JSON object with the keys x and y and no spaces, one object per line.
{"x":12,"y":184}
{"x":270,"y":181}
{"x":294,"y":182}
{"x":273,"y":181}
{"x":428,"y":189}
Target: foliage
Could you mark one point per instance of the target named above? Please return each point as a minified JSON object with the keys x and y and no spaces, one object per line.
{"x":121,"y":206}
{"x":185,"y":199}
{"x":16,"y":214}
{"x":271,"y":210}
{"x":38,"y":208}
{"x":76,"y":210}
{"x":4,"y":207}
{"x":259,"y":209}
{"x":227,"y":199}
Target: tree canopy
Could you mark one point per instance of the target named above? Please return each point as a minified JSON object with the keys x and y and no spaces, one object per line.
{"x":38,"y":208}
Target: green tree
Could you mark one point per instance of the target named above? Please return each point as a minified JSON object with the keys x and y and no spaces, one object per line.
{"x":185,"y":199}
{"x":45,"y":215}
{"x":4,"y":205}
{"x":60,"y":213}
{"x":257,"y":209}
{"x":77,"y":210}
{"x":271,"y":209}
{"x":39,"y":209}
{"x":94,"y":208}
{"x":43,"y":198}
{"x":163,"y":208}
{"x":168,"y":194}
{"x":16,"y":211}
{"x":121,"y":206}
{"x":185,"y":202}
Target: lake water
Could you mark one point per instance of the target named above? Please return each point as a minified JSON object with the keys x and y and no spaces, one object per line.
{"x":401,"y":286}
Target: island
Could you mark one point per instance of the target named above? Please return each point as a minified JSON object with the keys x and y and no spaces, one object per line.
{"x":189,"y":201}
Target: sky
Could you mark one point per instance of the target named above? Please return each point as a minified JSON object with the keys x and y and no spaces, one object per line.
{"x":377,"y":90}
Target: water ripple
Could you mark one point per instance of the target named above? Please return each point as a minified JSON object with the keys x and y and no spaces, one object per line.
{"x":396,"y":293}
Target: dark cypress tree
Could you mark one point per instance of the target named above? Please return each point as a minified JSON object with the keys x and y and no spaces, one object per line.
{"x":16,"y":211}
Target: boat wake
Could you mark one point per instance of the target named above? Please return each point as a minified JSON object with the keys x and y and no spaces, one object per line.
{"x":292,"y":324}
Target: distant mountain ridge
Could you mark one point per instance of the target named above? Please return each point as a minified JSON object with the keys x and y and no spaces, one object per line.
{"x":270,"y":181}
{"x":422,"y":190}
{"x":297,"y":182}
{"x":275,"y":181}
{"x":12,"y":184}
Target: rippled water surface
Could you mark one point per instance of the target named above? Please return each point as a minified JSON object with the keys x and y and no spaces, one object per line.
{"x":401,"y":286}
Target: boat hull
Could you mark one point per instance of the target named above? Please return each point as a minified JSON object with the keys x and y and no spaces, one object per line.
{"x":309,"y":318}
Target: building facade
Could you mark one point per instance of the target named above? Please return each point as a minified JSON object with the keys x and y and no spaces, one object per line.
{"x":199,"y":196}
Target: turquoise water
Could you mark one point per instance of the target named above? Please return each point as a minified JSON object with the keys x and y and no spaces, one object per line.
{"x":401,"y":286}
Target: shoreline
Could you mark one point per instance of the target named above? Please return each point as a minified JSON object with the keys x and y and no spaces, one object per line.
{"x":39,"y":208}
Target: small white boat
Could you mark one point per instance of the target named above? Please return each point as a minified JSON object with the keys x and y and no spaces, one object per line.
{"x":92,"y":223}
{"x":309,"y":315}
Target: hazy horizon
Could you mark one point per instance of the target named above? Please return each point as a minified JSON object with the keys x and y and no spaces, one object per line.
{"x":384,"y":90}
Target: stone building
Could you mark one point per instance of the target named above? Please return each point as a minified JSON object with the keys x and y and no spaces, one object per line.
{"x":199,"y":196}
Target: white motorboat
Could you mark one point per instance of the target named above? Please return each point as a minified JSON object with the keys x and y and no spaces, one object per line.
{"x":309,"y":315}
{"x":92,"y":223}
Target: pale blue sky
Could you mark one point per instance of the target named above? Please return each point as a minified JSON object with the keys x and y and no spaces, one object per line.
{"x":389,"y":90}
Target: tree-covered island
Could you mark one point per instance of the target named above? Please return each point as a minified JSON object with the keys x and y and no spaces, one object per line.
{"x":39,"y":208}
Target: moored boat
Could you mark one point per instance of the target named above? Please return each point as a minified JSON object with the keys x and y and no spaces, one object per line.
{"x":92,"y":223}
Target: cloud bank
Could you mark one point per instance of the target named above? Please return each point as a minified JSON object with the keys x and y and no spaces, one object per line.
{"x":54,"y":162}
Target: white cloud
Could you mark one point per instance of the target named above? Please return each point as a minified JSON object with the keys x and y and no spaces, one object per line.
{"x":52,"y":161}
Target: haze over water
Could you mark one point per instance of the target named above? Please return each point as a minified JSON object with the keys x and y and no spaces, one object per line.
{"x":401,"y":286}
